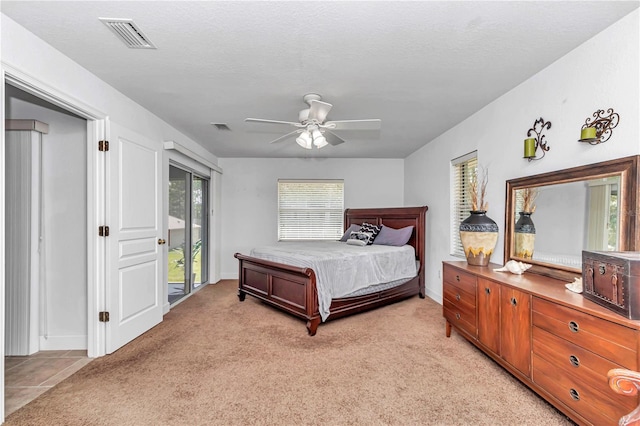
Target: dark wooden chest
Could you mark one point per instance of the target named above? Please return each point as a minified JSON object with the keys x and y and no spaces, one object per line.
{"x":612,"y":279}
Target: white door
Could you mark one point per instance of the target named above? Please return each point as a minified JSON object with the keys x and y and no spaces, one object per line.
{"x":134,"y":279}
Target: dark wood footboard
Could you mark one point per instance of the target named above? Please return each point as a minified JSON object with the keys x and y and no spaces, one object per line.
{"x":293,"y":289}
{"x":289,"y":288}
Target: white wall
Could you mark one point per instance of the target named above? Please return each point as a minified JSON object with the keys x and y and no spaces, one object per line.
{"x":25,"y":52}
{"x":64,"y":153}
{"x":602,"y":73}
{"x":250,"y":195}
{"x":26,"y":58}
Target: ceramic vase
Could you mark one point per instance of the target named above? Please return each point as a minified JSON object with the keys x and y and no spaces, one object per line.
{"x":525,"y":235}
{"x":479,"y":235}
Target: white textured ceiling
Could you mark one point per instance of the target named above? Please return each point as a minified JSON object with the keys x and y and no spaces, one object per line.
{"x":421,"y":67}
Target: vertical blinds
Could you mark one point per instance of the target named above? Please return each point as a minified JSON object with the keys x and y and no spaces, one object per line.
{"x":310,"y":209}
{"x":464,"y":171}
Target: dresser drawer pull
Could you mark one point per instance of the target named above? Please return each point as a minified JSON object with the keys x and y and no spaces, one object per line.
{"x":458,"y":296}
{"x":487,"y":290}
{"x":457,"y":316}
{"x":514,"y":302}
{"x":573,"y":326}
{"x":574,"y":361}
{"x":574,"y":394}
{"x":458,"y":278}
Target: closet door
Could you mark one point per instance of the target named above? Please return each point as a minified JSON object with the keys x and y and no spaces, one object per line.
{"x":22,"y":225}
{"x":134,"y":279}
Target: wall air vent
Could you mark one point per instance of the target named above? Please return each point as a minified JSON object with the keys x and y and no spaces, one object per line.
{"x":128,"y":32}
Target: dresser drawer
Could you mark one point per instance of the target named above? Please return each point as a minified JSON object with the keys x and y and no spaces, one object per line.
{"x":457,"y":295}
{"x":463,"y":280}
{"x":596,"y":407}
{"x":461,"y":316}
{"x":609,"y":340}
{"x":586,"y":367}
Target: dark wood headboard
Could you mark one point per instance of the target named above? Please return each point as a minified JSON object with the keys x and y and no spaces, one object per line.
{"x":395,"y":217}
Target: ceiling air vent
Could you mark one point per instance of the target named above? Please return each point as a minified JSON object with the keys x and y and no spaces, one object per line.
{"x":221,"y":126}
{"x":128,"y":32}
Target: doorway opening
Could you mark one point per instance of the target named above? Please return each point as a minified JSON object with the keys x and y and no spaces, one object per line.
{"x":46,"y":253}
{"x":188,"y":227}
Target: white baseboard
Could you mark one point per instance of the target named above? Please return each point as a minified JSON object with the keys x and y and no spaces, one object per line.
{"x":229,"y":276}
{"x":166,"y":308}
{"x":435,"y":296}
{"x":63,"y":343}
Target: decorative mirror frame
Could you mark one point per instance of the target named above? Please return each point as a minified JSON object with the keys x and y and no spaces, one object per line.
{"x":629,"y":222}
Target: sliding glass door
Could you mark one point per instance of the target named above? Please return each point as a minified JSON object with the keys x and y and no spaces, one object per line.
{"x":188,"y":232}
{"x":199,"y":230}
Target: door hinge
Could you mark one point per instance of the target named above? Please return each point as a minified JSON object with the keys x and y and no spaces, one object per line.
{"x":103,"y":231}
{"x":103,"y":145}
{"x":103,"y":316}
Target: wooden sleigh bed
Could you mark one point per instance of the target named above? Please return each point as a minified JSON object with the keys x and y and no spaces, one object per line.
{"x":293,"y":289}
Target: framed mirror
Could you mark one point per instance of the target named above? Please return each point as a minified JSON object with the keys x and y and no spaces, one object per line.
{"x":593,"y":207}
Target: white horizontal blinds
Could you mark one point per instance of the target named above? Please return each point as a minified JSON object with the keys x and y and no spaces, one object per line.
{"x":519,"y":204}
{"x":463,"y":172}
{"x":310,"y":209}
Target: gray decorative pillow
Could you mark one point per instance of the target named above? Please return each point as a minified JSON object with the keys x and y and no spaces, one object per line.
{"x":394,"y":237}
{"x":352,"y":228}
{"x":360,"y":238}
{"x":373,"y":229}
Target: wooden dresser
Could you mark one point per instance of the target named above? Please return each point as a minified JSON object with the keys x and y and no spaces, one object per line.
{"x":556,"y":342}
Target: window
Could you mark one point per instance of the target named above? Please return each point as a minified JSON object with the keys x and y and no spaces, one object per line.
{"x":463,"y":170}
{"x":310,"y":209}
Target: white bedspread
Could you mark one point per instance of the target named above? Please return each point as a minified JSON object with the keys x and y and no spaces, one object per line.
{"x":341,"y":268}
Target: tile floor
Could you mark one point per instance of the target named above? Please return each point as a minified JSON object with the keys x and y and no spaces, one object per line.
{"x":27,"y":377}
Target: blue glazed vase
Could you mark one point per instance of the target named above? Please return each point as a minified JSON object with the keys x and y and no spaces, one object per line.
{"x":525,"y":234}
{"x":479,"y":235}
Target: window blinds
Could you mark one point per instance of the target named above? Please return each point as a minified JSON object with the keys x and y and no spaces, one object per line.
{"x":463,"y":171}
{"x":310,"y":209}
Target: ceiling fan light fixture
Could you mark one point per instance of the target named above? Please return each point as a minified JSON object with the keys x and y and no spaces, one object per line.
{"x":304,"y":140}
{"x":320,"y":142}
{"x":318,"y":139}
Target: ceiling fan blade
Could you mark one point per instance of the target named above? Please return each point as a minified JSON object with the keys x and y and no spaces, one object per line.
{"x":262,"y":120}
{"x":372,"y":124}
{"x":319,"y":110}
{"x":287,"y":136}
{"x":332,"y":138}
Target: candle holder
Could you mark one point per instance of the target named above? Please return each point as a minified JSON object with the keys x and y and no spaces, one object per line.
{"x":531,"y":144}
{"x":603,"y":123}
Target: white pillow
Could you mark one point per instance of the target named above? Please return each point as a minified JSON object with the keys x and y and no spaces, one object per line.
{"x":360,"y":238}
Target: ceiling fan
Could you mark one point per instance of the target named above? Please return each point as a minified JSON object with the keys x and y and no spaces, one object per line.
{"x":312,"y":129}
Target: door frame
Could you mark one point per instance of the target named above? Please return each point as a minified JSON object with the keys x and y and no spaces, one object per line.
{"x":97,"y":123}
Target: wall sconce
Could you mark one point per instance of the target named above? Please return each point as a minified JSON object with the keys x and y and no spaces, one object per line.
{"x":600,"y":129}
{"x":531,"y":144}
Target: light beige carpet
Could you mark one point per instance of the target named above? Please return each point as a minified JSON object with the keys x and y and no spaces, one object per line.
{"x":217,"y":361}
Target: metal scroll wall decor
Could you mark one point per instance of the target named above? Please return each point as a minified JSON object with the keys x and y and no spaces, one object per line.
{"x":532,"y":143}
{"x":599,"y":128}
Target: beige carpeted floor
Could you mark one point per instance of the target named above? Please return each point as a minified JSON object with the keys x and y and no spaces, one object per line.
{"x":216,"y":361}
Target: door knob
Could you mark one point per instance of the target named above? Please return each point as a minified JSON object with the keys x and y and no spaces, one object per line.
{"x":161,"y":241}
